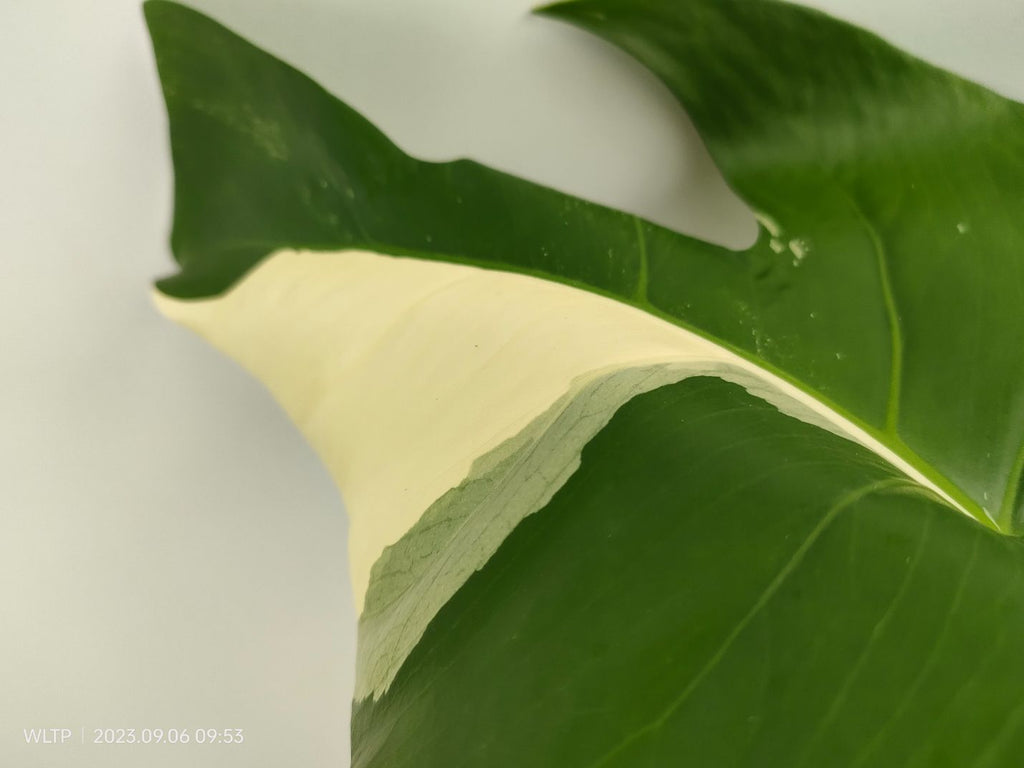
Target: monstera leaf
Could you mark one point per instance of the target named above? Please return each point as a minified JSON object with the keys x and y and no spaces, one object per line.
{"x":619,"y":497}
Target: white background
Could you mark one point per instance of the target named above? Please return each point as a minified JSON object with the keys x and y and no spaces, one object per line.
{"x":171,"y":554}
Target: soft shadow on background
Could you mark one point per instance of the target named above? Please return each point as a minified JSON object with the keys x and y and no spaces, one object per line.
{"x":172,"y":555}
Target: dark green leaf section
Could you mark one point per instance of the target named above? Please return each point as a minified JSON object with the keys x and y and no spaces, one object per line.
{"x":265,"y":158}
{"x":720,"y":585}
{"x":889,"y":280}
{"x":903,"y":187}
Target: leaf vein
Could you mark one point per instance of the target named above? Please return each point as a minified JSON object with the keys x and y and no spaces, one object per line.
{"x":640,"y":294}
{"x":892,"y":313}
{"x":843,"y":694}
{"x":765,"y":597}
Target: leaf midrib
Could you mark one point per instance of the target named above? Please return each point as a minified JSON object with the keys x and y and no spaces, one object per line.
{"x":890,"y":438}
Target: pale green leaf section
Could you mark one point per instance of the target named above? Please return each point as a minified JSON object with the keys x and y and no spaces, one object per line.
{"x":457,"y":535}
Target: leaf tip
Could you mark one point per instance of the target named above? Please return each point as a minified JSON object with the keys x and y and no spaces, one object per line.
{"x":169,"y":21}
{"x":153,"y":10}
{"x":562,"y":9}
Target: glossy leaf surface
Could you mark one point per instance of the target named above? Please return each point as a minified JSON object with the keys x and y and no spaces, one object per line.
{"x":720,"y":585}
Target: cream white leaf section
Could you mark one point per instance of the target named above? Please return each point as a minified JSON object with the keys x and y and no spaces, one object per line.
{"x":403,"y":372}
